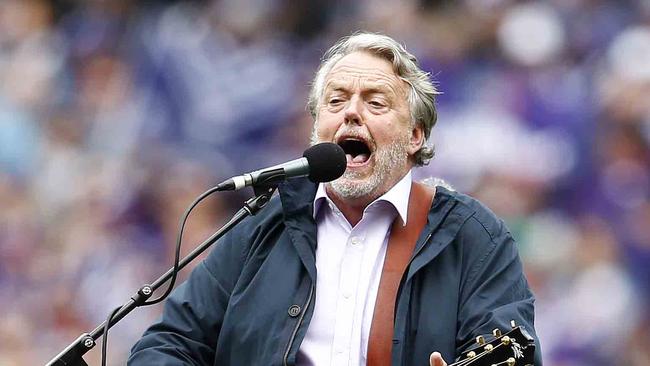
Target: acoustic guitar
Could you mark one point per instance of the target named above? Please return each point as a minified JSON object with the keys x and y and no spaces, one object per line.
{"x":515,"y":348}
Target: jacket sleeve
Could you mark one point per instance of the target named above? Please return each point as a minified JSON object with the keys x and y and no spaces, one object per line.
{"x":495,"y":290}
{"x":188,"y":330}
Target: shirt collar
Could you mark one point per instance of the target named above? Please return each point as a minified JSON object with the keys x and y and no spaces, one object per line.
{"x":398,"y":196}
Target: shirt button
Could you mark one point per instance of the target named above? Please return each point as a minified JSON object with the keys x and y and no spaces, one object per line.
{"x":294,"y":311}
{"x":347,"y":295}
{"x":355,"y":240}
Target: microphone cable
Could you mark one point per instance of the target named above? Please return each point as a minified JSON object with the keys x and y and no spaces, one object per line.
{"x":325,"y":162}
{"x":172,"y":281}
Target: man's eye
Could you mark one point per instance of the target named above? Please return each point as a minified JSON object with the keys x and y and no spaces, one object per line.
{"x":376,"y":103}
{"x":335,"y":101}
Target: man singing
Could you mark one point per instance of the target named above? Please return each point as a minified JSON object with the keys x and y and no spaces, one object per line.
{"x":370,"y":269}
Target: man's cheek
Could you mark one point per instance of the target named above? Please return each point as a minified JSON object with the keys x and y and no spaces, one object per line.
{"x":325,"y":133}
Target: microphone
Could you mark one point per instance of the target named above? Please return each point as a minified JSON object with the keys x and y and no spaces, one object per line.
{"x":323,"y":162}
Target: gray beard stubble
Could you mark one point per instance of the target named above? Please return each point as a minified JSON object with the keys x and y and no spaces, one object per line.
{"x":388,"y":159}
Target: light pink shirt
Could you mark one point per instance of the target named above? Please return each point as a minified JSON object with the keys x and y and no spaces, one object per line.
{"x":349,"y":262}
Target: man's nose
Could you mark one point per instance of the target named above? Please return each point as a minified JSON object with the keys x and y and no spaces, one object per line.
{"x":353,"y":110}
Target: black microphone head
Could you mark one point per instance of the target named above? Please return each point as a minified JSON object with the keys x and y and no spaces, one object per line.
{"x":326,"y":162}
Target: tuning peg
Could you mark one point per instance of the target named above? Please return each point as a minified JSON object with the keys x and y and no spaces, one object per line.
{"x":480,"y":340}
{"x":513,"y":324}
{"x":471,"y":354}
{"x":510,"y":362}
{"x":496,"y":332}
{"x":488,"y":348}
{"x":505,"y":340}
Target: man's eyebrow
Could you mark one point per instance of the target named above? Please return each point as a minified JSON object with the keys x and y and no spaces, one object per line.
{"x":375,"y":88}
{"x":335,"y":86}
{"x":379,"y":89}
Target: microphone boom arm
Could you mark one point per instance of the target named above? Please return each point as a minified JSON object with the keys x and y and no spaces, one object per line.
{"x":72,"y":355}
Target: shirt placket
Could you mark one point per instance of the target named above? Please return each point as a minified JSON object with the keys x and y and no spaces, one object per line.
{"x":347,"y":297}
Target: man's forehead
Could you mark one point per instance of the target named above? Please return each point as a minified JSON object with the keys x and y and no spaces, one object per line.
{"x":349,"y":81}
{"x":371,"y":71}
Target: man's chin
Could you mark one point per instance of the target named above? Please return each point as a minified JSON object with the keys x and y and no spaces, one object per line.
{"x":355,"y":176}
{"x":352,"y":188}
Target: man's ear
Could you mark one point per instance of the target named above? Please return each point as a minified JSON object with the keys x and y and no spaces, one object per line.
{"x":417,"y":139}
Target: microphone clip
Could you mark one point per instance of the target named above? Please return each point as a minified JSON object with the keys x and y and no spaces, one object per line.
{"x":269,"y":178}
{"x":263,"y":194}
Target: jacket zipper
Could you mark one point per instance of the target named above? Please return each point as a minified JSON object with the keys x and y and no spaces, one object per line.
{"x":295,"y":329}
{"x":421,"y":248}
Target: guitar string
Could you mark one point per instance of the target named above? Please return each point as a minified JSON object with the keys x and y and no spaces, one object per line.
{"x":502,"y":362}
{"x":469,"y":361}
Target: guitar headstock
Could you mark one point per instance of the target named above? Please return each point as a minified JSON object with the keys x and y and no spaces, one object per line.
{"x":514,"y":348}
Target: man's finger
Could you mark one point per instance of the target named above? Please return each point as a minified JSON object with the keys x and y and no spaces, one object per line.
{"x":436,"y":359}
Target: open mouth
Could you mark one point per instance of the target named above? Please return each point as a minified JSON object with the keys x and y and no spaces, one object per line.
{"x":357,"y":151}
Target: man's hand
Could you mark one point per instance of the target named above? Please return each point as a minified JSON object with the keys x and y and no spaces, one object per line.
{"x":436,"y":360}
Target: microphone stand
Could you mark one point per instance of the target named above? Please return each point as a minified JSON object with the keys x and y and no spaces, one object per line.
{"x":72,"y":355}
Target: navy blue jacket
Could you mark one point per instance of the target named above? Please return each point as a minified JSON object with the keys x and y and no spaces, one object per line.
{"x":251,"y":300}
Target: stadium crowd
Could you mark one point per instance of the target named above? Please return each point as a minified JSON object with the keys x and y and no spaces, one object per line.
{"x":116,"y":114}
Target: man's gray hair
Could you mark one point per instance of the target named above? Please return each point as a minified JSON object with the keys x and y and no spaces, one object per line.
{"x":422,"y":92}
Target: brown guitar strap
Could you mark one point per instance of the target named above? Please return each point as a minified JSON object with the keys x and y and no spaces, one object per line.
{"x":400,"y":248}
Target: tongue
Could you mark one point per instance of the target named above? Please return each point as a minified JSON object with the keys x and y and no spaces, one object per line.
{"x":361,"y":158}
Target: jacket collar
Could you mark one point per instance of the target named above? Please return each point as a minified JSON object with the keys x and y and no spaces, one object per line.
{"x":444,"y":221}
{"x":397,"y":197}
{"x":297,"y":197}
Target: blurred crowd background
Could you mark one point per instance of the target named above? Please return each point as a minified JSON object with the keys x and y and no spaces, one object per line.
{"x":115,"y":114}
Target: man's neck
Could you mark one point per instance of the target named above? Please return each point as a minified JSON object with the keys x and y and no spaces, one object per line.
{"x":352,"y":208}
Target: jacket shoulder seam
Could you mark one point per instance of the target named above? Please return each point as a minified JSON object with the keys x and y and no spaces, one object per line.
{"x":493,"y":246}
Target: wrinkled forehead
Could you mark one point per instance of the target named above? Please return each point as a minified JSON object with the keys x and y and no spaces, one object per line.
{"x":361,"y":69}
